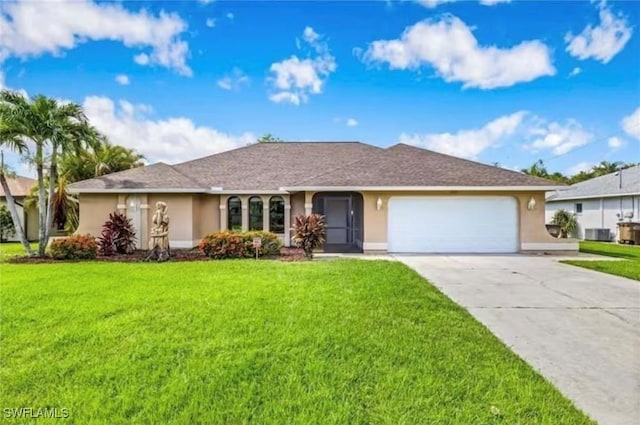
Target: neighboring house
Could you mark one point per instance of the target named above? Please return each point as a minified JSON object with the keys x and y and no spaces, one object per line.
{"x":600,"y":203}
{"x":20,"y":187}
{"x":398,"y":199}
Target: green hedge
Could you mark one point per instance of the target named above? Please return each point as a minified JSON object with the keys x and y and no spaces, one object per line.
{"x":229,"y":244}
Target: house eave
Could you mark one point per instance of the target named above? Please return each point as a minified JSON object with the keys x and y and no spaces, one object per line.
{"x":572,"y":198}
{"x":136,"y":190}
{"x":422,"y":188}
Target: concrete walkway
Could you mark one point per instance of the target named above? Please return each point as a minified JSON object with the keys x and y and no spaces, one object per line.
{"x":579,"y":328}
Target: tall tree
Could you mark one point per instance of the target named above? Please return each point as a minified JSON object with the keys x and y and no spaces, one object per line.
{"x":269,"y":138}
{"x":537,"y":169}
{"x":51,"y":126}
{"x":104,"y":158}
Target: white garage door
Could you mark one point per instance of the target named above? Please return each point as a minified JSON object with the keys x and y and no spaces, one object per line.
{"x":482,"y":224}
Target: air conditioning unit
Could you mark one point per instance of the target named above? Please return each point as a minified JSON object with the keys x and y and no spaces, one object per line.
{"x":597,"y":234}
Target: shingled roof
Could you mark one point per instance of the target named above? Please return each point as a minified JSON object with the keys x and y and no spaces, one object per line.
{"x":403,"y":165}
{"x":155,"y":177}
{"x":295,"y":165}
{"x":19,"y":186}
{"x":624,"y":182}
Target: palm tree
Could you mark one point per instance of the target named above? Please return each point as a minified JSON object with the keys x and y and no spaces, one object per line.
{"x":18,"y":146}
{"x":605,"y":167}
{"x":50,"y":125}
{"x":538,"y":169}
{"x":102,"y":159}
{"x":269,"y":138}
{"x":64,"y":210}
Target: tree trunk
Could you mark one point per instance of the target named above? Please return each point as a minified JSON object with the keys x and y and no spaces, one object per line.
{"x":53,"y":175}
{"x":42,"y":202}
{"x":11,"y":203}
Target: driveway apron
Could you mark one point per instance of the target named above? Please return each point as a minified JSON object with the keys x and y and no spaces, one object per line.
{"x":579,"y":328}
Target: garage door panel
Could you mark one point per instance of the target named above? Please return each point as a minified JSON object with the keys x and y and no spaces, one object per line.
{"x":452,"y":224}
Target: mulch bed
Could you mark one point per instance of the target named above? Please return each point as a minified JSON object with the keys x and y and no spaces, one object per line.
{"x":287,"y":254}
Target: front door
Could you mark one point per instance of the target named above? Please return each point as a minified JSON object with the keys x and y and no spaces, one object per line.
{"x":337,"y":217}
{"x":343,"y":219}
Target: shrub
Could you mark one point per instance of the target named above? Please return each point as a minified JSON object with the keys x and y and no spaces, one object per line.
{"x":230,"y":244}
{"x":7,"y":229}
{"x":309,"y":233}
{"x":76,"y":247}
{"x":566,"y":221}
{"x":118,"y":236}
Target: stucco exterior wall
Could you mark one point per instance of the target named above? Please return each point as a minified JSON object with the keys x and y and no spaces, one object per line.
{"x":297,"y":205}
{"x":206,"y":215}
{"x":532,"y":232}
{"x":94,"y":211}
{"x":180,"y":208}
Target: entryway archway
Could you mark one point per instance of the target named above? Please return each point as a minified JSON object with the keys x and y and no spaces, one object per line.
{"x":344,"y":218}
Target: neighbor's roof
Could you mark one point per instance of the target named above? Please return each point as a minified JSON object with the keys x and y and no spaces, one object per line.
{"x":19,"y":186}
{"x":625,"y":182}
{"x":291,"y":166}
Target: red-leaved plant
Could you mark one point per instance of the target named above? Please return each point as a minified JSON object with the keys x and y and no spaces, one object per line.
{"x":310,"y":232}
{"x":118,"y":236}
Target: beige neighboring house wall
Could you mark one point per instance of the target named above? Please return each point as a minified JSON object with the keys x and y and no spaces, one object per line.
{"x":29,"y":219}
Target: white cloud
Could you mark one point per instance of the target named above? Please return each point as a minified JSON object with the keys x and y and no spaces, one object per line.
{"x":352,"y":122}
{"x":170,"y":140}
{"x":309,"y":35}
{"x":230,"y":15}
{"x":233,"y":81}
{"x":558,"y":138}
{"x":142,"y":59}
{"x":575,"y":71}
{"x":2,"y":86}
{"x":449,"y":46}
{"x":577,"y":168}
{"x":615,"y":143}
{"x":468,"y":143}
{"x":30,"y":29}
{"x":210,"y":22}
{"x":294,"y":79}
{"x":122,"y":79}
{"x":206,"y":1}
{"x":603,"y":41}
{"x":631,"y":124}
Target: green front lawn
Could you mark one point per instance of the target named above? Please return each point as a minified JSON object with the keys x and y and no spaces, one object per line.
{"x":609,"y":249}
{"x":13,"y":249}
{"x":630,"y":267}
{"x":265,"y":342}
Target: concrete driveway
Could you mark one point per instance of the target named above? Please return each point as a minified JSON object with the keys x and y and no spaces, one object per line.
{"x":579,"y":328}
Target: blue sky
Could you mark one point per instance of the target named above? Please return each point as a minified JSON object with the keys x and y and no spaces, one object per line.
{"x":496,"y":81}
